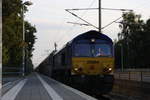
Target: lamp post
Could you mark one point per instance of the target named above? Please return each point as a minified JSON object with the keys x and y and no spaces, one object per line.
{"x":122,"y":65}
{"x":28,"y":3}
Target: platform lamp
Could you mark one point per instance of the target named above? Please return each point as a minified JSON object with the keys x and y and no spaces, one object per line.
{"x":26,"y":3}
{"x":122,"y":62}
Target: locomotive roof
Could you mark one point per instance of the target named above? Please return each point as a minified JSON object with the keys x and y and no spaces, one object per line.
{"x":88,"y":35}
{"x":93,"y":34}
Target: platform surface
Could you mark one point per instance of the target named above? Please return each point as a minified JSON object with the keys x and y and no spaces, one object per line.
{"x":39,"y":87}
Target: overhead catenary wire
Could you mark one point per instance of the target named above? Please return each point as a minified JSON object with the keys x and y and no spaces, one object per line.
{"x":86,"y":22}
{"x":62,"y":38}
{"x":82,"y":19}
{"x":62,"y":24}
{"x":78,"y":23}
{"x":83,"y":14}
{"x":111,"y":23}
{"x":73,"y":27}
{"x":119,"y":9}
{"x":89,"y":24}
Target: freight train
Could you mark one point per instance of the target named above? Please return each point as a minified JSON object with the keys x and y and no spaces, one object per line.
{"x":85,"y":63}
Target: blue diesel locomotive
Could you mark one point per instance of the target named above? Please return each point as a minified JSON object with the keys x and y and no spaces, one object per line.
{"x":85,"y":63}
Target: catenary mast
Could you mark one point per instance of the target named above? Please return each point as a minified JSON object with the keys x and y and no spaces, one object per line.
{"x":99,"y":15}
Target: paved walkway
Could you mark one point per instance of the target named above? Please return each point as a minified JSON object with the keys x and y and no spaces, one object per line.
{"x":39,"y":87}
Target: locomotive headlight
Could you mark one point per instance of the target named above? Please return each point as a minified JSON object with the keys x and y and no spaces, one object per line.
{"x":93,"y":40}
{"x":107,"y":70}
{"x":76,"y":69}
{"x":110,"y":69}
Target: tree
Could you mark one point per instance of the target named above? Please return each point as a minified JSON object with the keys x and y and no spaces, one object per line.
{"x":12,"y":33}
{"x":134,"y":36}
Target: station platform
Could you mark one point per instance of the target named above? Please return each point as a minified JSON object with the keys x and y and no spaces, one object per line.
{"x":39,"y":87}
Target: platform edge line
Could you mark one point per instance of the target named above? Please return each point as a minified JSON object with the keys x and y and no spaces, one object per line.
{"x":12,"y":93}
{"x":54,"y":95}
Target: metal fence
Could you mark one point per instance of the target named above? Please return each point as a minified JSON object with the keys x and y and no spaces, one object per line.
{"x":11,"y":70}
{"x":141,"y":75}
{"x":10,"y":74}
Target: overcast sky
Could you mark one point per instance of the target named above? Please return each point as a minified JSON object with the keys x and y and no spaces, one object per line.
{"x":50,"y":19}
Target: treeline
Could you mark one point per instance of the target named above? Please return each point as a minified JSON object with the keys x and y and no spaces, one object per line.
{"x":132,"y":50}
{"x":12,"y":36}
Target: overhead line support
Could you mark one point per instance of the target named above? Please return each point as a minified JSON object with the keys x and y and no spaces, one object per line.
{"x":82,"y":19}
{"x":99,"y":16}
{"x":101,"y":8}
{"x":111,"y":22}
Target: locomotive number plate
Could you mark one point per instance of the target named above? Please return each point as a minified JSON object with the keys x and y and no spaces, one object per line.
{"x":92,"y":62}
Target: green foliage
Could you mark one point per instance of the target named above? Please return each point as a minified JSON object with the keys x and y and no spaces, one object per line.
{"x":30,"y":37}
{"x":135,"y":41}
{"x":5,"y":55}
{"x":12,"y":35}
{"x":10,"y":7}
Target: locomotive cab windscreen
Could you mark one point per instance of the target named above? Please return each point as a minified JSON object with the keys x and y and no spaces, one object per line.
{"x":92,"y":56}
{"x":94,"y":49}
